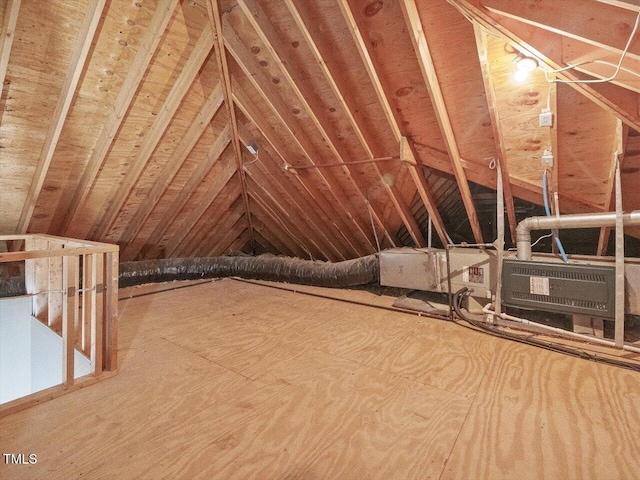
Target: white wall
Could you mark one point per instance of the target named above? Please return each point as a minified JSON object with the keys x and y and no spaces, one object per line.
{"x":30,"y":353}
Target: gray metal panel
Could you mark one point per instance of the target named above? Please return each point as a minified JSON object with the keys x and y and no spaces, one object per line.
{"x":416,"y":269}
{"x":474,"y":268}
{"x":558,"y":287}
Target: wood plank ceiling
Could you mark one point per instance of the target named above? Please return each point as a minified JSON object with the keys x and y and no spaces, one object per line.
{"x":127,"y":121}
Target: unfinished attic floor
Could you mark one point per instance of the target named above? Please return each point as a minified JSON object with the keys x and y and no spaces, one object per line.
{"x":227,"y":379}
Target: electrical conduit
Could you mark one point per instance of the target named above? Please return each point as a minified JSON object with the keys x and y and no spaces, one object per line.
{"x":548,"y":212}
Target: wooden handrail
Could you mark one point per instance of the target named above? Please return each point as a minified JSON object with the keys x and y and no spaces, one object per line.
{"x":57,"y":271}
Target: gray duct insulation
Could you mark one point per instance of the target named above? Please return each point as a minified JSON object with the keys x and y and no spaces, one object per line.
{"x":349,"y":273}
{"x":360,"y":271}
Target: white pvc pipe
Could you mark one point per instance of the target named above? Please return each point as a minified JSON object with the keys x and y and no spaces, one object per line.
{"x":583,"y":220}
{"x":559,"y":331}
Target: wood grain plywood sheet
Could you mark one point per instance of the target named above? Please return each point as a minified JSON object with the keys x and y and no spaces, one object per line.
{"x":540,"y":415}
{"x":43,"y":42}
{"x":337,"y":419}
{"x":327,"y":26}
{"x":178,"y":410}
{"x":123,"y":28}
{"x":166,"y":152}
{"x":519,"y":106}
{"x":393,"y":54}
{"x":147,"y":396}
{"x":453,"y":49}
{"x":329,"y":110}
{"x":586,"y":144}
{"x":173,"y":52}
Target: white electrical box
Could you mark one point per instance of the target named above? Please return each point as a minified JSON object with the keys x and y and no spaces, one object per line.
{"x":547,"y":159}
{"x":546,"y":118}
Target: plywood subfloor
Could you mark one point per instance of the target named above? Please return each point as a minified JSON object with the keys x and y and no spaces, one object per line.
{"x":233,"y":380}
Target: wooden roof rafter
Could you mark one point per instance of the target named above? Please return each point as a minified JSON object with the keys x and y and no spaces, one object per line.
{"x":417,"y":174}
{"x":602,"y":25}
{"x":132,"y":246}
{"x":501,"y":153}
{"x":213,"y":12}
{"x":76,"y":67}
{"x":7,"y":35}
{"x":280,"y":229}
{"x":268,"y":171}
{"x":229,"y":169}
{"x":285,"y":218}
{"x":235,"y":226}
{"x":271,"y":241}
{"x":421,"y":46}
{"x":361,"y":133}
{"x":154,"y":135}
{"x":180,"y":154}
{"x":291,"y":72}
{"x":209,"y":220}
{"x":299,"y":139}
{"x":546,"y":45}
{"x":290,"y":211}
{"x":126,"y":94}
{"x":254,"y":115}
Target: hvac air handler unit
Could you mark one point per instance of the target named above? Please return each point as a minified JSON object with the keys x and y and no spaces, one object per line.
{"x":557,"y":287}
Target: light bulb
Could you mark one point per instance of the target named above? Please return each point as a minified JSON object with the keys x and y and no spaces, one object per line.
{"x":527,"y":64}
{"x":521,"y":76}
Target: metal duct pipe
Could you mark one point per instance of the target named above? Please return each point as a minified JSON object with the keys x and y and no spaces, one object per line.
{"x":583,"y":220}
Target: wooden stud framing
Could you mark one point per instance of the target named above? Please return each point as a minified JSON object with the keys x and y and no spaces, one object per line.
{"x":501,"y":154}
{"x":425,"y":60}
{"x":143,"y":57}
{"x":90,"y":326}
{"x":216,"y":26}
{"x":622,"y":133}
{"x":111,"y":312}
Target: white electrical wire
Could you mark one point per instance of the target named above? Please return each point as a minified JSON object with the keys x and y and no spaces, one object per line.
{"x":599,"y":80}
{"x":543,"y":236}
{"x":252,"y":161}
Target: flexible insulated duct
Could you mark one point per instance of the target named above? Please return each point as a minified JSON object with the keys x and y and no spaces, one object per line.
{"x":349,"y":273}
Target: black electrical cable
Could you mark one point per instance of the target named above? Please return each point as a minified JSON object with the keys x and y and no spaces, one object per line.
{"x":574,"y":352}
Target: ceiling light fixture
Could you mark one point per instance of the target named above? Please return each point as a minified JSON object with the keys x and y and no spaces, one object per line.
{"x":527,"y":64}
{"x":524,"y":67}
